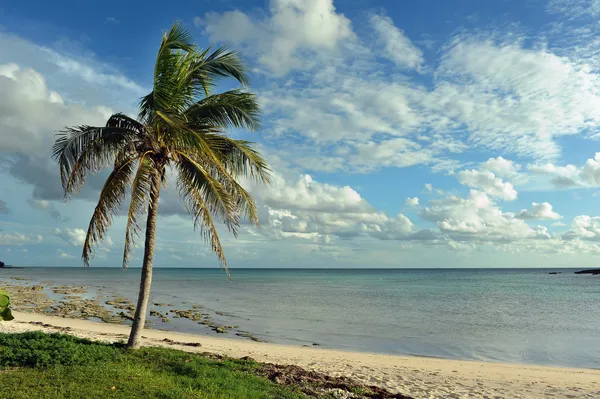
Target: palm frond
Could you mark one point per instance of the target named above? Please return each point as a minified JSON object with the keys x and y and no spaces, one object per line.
{"x":193,"y":192}
{"x":222,"y":63}
{"x":110,"y":200}
{"x":176,"y":55}
{"x":239,"y":157}
{"x":218,"y":199}
{"x":85,"y":149}
{"x":232,"y":108}
{"x":140,"y":193}
{"x":178,"y":38}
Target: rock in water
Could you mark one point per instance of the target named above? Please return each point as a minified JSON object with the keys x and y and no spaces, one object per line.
{"x":589,"y":271}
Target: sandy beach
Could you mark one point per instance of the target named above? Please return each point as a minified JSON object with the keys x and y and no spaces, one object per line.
{"x":415,"y":376}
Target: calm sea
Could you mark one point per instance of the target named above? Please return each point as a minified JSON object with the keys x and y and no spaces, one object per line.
{"x":520,"y":316}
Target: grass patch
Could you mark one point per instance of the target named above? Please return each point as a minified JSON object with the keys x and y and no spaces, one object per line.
{"x":39,"y":365}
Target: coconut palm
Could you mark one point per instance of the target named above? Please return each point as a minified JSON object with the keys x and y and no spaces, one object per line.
{"x":180,"y":127}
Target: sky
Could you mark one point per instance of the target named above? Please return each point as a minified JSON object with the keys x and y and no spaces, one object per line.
{"x":437,"y":133}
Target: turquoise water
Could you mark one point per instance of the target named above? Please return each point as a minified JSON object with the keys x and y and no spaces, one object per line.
{"x":520,"y":316}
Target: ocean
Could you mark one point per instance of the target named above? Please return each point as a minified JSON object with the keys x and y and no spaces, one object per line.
{"x":509,"y":315}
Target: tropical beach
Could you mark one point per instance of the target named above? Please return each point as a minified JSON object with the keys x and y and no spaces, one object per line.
{"x":413,"y":376}
{"x":102,"y":314}
{"x":294,"y":199}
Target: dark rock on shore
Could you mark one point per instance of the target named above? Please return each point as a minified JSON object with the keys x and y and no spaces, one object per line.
{"x":315,"y":384}
{"x":246,"y":334}
{"x":555,"y":273}
{"x":170,"y":341}
{"x":589,"y":271}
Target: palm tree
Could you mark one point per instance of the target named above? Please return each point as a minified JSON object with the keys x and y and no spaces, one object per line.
{"x":180,"y":126}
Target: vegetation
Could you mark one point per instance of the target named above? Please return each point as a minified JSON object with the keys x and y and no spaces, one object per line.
{"x":5,"y":312}
{"x":180,"y":127}
{"x":37,"y":365}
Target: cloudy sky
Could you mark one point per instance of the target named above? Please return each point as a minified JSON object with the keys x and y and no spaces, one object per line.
{"x":434,"y":133}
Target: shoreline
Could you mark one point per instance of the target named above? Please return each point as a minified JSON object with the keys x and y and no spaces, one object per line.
{"x":419,"y":377}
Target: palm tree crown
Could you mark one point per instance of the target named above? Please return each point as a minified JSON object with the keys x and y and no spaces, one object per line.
{"x":180,"y":126}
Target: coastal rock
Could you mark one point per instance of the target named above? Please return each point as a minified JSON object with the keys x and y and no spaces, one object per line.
{"x":246,"y":334}
{"x":68,"y":290}
{"x":162,"y":316}
{"x":170,"y":341}
{"x":589,"y":271}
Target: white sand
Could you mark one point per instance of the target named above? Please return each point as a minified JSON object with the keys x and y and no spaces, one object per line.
{"x":418,"y":377}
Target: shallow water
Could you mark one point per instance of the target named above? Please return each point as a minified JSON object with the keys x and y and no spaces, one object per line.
{"x":520,"y":316}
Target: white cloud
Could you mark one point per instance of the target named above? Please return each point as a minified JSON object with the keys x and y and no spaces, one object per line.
{"x":590,"y":172}
{"x":30,"y":113}
{"x":477,"y":218}
{"x":396,"y":46}
{"x":501,"y":167}
{"x":539,"y":211}
{"x":64,"y":255}
{"x":305,"y":194}
{"x":79,"y":75}
{"x":489,"y":92}
{"x":575,"y":8}
{"x":397,"y":152}
{"x":488,"y":183}
{"x":571,"y":175}
{"x":75,"y":237}
{"x":18,"y":239}
{"x":282,"y":39}
{"x":584,"y":227}
{"x":516,"y":99}
{"x":311,"y":210}
{"x":412,"y":201}
{"x":428,"y":187}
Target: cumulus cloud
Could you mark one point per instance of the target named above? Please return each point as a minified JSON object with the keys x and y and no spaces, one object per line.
{"x":282,"y":39}
{"x":75,"y":236}
{"x":64,"y":255}
{"x":18,"y":239}
{"x":571,"y":175}
{"x":311,"y":210}
{"x":539,"y":211}
{"x":501,"y":167}
{"x":30,"y":115}
{"x":412,"y":201}
{"x":477,"y":218}
{"x":488,"y":183}
{"x":590,"y":173}
{"x":584,"y":227}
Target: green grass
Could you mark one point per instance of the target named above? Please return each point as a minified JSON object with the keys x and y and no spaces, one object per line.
{"x":38,"y":365}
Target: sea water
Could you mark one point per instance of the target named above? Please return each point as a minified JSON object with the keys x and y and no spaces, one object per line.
{"x":509,"y":315}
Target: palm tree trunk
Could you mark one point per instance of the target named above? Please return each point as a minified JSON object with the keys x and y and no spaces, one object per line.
{"x":139,"y":320}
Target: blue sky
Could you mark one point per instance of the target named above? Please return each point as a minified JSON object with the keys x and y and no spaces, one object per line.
{"x":401,"y":134}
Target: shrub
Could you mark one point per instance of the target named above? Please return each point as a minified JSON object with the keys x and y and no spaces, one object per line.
{"x":37,"y":349}
{"x":5,"y":313}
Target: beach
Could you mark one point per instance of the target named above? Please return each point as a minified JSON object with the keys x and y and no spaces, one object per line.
{"x":419,"y":377}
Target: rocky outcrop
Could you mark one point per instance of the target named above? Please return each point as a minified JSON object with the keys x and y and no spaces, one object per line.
{"x":589,"y":271}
